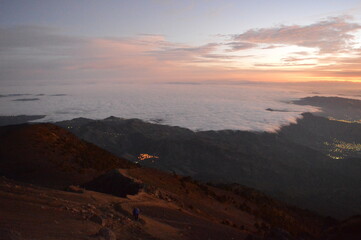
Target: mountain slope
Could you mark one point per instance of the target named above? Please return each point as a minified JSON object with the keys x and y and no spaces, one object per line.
{"x":48,"y":155}
{"x":272,"y":163}
{"x":173,"y":207}
{"x":338,"y":139}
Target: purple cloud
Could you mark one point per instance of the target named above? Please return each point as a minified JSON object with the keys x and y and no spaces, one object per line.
{"x":329,"y":36}
{"x":237,"y":46}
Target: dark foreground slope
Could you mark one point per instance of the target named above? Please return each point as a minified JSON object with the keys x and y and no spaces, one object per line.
{"x":273,"y":163}
{"x":48,"y":155}
{"x":173,"y":207}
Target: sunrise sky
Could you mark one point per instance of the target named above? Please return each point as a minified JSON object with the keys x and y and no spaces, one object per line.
{"x":180,"y":41}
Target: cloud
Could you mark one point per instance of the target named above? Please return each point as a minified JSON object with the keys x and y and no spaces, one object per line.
{"x":41,"y":53}
{"x":329,"y":36}
{"x":183,"y":52}
{"x":339,"y":68}
{"x":302,"y":53}
{"x":237,"y":46}
{"x":34,"y":37}
{"x":347,"y":73}
{"x":292,"y":59}
{"x":38,"y":53}
{"x":272,"y":46}
{"x":207,"y":107}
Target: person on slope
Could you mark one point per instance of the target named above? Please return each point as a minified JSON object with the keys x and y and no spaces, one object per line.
{"x":136,"y":212}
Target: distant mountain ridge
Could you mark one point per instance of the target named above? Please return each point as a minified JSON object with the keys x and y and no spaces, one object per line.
{"x":275,"y":163}
{"x":335,"y":107}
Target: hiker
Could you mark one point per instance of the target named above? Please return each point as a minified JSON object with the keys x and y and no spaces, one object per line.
{"x":136,"y":212}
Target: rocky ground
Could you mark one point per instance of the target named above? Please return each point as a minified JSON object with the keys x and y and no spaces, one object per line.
{"x":31,"y":212}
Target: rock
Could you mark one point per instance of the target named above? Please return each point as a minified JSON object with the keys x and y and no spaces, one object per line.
{"x":97,"y":219}
{"x":114,"y":183}
{"x":107,"y":234}
{"x":90,"y":206}
{"x":75,"y":189}
{"x":278,"y":234}
{"x":74,"y":210}
{"x":226,"y":222}
{"x":9,"y":234}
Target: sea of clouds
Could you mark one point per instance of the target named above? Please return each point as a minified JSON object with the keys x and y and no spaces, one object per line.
{"x":194,"y":106}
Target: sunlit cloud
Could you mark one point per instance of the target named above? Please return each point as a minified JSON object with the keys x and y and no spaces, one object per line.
{"x":326,"y":50}
{"x":329,"y":36}
{"x":183,"y":52}
{"x":237,"y":46}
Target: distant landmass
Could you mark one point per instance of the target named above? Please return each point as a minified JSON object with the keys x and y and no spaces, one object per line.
{"x":334,"y":107}
{"x":14,"y":95}
{"x":26,"y":99}
{"x":13,"y":120}
{"x":277,"y":110}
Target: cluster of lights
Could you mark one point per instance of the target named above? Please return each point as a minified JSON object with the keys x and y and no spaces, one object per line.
{"x":340,"y":148}
{"x":144,"y":156}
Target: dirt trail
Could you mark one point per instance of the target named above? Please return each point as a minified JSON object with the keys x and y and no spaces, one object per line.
{"x":36,"y":212}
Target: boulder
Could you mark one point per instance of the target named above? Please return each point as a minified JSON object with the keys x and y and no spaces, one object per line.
{"x":97,"y":219}
{"x":9,"y":234}
{"x":107,"y":234}
{"x":75,"y":189}
{"x":114,"y":183}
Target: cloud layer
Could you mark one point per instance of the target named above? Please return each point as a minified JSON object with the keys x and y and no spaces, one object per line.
{"x":198,"y":107}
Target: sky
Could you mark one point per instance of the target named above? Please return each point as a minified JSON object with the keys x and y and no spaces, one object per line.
{"x":179,"y":41}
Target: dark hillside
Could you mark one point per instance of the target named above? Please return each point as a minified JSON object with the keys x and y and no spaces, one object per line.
{"x":337,"y":139}
{"x":48,"y":155}
{"x":271,"y":163}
